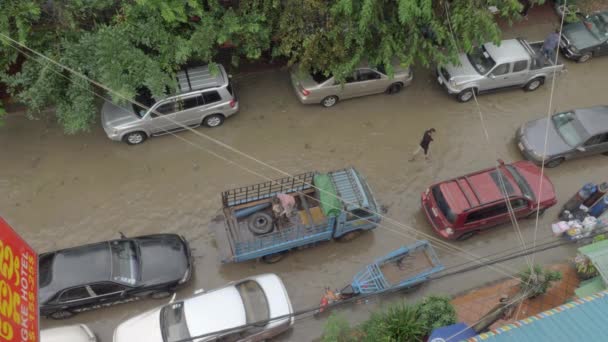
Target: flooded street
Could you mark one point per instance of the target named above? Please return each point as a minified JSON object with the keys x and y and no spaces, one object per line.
{"x":60,"y":191}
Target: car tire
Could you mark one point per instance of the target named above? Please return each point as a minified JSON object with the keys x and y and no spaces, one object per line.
{"x":260,"y":223}
{"x":467,"y":235}
{"x":160,"y":294}
{"x":394,"y":88}
{"x":466,"y":95}
{"x":135,"y":138}
{"x":554,"y":162}
{"x":584,"y":58}
{"x":350,"y":236}
{"x":329,"y":101}
{"x":213,"y":120}
{"x":273,"y":258}
{"x":534,"y":84}
{"x":61,"y":314}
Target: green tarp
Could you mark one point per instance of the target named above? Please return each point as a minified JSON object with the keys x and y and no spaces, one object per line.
{"x":330,"y":204}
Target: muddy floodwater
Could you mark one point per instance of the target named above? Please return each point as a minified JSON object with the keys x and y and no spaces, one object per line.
{"x":60,"y":191}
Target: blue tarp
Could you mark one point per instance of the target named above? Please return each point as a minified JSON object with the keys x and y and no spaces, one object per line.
{"x":453,"y":333}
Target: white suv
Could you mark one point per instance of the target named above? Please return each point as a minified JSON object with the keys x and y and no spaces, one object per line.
{"x":204,"y":98}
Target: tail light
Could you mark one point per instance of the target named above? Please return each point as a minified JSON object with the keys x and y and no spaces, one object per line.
{"x":232,"y":103}
{"x":304,"y":91}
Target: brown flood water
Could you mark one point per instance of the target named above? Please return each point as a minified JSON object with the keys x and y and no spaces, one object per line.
{"x":60,"y":191}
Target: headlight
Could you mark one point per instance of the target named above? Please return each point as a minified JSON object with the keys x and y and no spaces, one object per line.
{"x":115,"y":131}
{"x":449,"y":231}
{"x":573,"y":49}
{"x":185,"y":277}
{"x":452,"y":82}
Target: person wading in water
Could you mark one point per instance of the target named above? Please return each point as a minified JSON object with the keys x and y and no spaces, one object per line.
{"x":424,"y":144}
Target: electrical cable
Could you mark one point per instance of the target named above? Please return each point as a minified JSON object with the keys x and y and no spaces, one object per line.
{"x":397,"y":223}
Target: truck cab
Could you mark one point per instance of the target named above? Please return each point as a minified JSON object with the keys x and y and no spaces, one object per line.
{"x":333,"y":205}
{"x":515,"y":63}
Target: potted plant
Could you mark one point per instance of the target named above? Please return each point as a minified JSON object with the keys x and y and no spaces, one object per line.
{"x":584,"y":268}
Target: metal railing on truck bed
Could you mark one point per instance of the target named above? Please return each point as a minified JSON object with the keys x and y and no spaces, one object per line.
{"x":268,"y":189}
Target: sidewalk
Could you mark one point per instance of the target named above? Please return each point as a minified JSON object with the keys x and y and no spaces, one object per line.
{"x":471,"y":306}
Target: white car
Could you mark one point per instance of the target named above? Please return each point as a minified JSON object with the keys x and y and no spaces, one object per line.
{"x":209,"y":314}
{"x":71,"y":333}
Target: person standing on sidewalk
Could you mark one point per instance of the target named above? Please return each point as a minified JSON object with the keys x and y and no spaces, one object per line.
{"x":424,"y":144}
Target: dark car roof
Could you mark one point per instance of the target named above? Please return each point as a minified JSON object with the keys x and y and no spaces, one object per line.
{"x":593,"y":119}
{"x":76,"y":266}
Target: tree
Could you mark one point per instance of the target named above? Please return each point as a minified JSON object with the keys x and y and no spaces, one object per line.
{"x":536,"y":280}
{"x":125,"y":45}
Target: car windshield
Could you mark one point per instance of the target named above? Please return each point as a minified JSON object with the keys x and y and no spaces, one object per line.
{"x":481,"y":60}
{"x":598,"y":26}
{"x":173,"y":324}
{"x":254,"y":301}
{"x":521,"y":182}
{"x":143,"y":102}
{"x":125,"y":262}
{"x":569,"y":128}
{"x":443,"y":204}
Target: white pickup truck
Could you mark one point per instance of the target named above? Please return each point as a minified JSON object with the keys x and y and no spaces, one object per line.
{"x":515,"y":63}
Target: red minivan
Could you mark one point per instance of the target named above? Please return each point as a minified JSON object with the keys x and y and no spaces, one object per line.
{"x":462,"y":207}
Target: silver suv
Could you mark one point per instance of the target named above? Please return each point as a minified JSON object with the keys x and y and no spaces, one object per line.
{"x":203,"y":98}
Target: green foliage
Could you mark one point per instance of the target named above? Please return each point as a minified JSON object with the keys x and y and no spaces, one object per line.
{"x":538,"y":281}
{"x":435,"y":312}
{"x":128,"y":44}
{"x":337,"y":329}
{"x":599,"y":238}
{"x":399,"y":323}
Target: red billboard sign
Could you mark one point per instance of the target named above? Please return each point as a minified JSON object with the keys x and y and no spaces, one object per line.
{"x":18,"y":288}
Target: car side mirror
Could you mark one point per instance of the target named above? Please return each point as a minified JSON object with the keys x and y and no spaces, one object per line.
{"x":580,"y":149}
{"x":491,"y":76}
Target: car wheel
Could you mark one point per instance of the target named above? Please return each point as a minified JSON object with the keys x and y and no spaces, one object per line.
{"x":554,"y":162}
{"x":160,"y":295}
{"x":260,"y":223}
{"x":213,"y":120}
{"x":466,"y":95}
{"x":350,"y":236}
{"x":62,"y":314}
{"x":135,"y":138}
{"x":466,"y":236}
{"x":534,"y":84}
{"x":273,"y":258}
{"x":394,"y":88}
{"x":329,"y":101}
{"x":585,"y":57}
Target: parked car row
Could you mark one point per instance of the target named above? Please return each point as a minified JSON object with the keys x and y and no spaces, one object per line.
{"x":108,"y":273}
{"x":206,"y":97}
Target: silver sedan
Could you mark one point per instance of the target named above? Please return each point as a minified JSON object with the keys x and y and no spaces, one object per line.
{"x":571,"y":134}
{"x":314,"y":88}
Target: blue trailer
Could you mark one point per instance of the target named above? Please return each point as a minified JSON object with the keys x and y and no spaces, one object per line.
{"x":333,"y":205}
{"x":403,"y":268}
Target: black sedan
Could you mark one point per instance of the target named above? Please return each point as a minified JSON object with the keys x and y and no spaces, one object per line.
{"x":587,"y":38}
{"x":111,"y":272}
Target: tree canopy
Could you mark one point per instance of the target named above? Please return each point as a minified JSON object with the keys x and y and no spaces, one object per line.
{"x":128,"y":44}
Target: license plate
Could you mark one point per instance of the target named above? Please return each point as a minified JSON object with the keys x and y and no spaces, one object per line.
{"x":521,"y":147}
{"x":439,"y":80}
